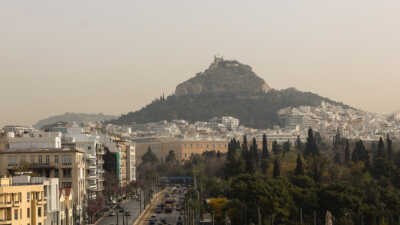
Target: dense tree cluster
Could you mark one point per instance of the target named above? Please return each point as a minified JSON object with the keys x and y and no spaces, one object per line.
{"x":355,"y":182}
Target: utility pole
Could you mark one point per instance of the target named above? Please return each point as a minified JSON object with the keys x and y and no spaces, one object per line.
{"x":117,"y":218}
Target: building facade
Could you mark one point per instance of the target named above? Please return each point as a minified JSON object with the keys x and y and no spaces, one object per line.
{"x":67,"y":164}
{"x":22,"y":202}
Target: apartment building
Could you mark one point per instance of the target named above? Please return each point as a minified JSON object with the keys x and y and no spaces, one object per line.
{"x":22,"y":202}
{"x":67,"y":164}
{"x":120,"y":160}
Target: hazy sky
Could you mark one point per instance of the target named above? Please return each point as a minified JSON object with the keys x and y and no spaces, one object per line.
{"x":116,"y":56}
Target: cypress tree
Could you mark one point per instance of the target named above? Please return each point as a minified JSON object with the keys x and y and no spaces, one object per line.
{"x":311,"y":145}
{"x":299,"y":144}
{"x":389,"y":147}
{"x":245,"y":147}
{"x":381,"y":148}
{"x":255,"y":158}
{"x":299,"y":166}
{"x":277,"y":169}
{"x":347,"y":152}
{"x":265,"y":155}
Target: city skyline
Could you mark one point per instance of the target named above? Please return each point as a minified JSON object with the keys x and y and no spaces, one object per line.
{"x":99,"y":57}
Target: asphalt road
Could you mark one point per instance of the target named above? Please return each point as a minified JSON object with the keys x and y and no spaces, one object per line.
{"x":131,"y":205}
{"x":171,"y":218}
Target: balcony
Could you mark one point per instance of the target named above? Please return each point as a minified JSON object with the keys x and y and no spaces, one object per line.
{"x":92,"y":187}
{"x":6,"y":204}
{"x":41,"y":165}
{"x":91,"y":177}
{"x":100,"y":178}
{"x":5,"y":221}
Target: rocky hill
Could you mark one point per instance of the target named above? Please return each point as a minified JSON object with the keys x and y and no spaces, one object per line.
{"x":224,"y":76}
{"x":73,"y":117}
{"x":225,"y":88}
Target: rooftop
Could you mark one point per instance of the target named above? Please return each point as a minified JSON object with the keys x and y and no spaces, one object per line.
{"x":41,"y":150}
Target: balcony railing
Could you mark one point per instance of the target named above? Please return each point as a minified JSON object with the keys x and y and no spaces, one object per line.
{"x":92,"y":187}
{"x":6,"y":221}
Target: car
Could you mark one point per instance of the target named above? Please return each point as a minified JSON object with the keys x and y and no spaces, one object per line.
{"x":112,"y":213}
{"x":158,"y":210}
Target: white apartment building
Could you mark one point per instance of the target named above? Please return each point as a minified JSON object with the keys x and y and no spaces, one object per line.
{"x":230,"y":122}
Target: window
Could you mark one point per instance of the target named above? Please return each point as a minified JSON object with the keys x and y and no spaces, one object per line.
{"x":56,"y":159}
{"x":28,"y":196}
{"x":45,"y":191}
{"x":67,"y":173}
{"x":40,"y":159}
{"x":23,"y":158}
{"x":12,"y":160}
{"x":39,"y":211}
{"x":56,"y":173}
{"x":28,"y":213}
{"x":67,"y":160}
{"x":20,"y":214}
{"x":191,"y":145}
{"x":32,"y":159}
{"x":47,"y":159}
{"x":15,"y":214}
{"x":45,"y":209}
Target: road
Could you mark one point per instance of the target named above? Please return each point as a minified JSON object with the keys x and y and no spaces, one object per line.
{"x":131,"y":205}
{"x":171,"y":218}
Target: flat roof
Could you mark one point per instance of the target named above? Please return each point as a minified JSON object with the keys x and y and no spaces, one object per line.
{"x":41,"y":150}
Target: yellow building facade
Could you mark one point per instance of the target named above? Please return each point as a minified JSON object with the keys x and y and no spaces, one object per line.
{"x":22,"y":204}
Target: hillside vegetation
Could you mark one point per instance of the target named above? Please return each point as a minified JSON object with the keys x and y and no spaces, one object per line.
{"x":253,"y":110}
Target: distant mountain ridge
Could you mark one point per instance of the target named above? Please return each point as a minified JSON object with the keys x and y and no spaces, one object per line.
{"x":226,"y":88}
{"x":74,"y":117}
{"x":224,"y":76}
